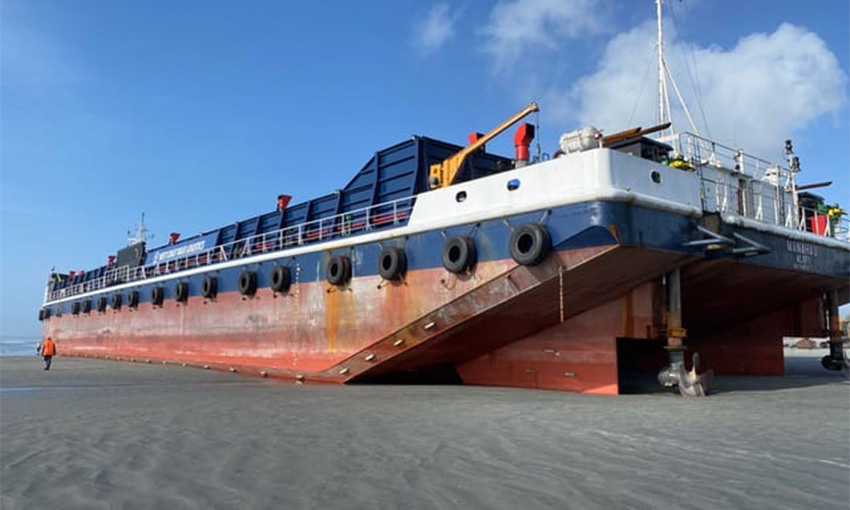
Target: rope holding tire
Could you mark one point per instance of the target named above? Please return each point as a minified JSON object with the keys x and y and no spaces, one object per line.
{"x":209,"y":289}
{"x":530,"y":244}
{"x":280,"y":279}
{"x":459,"y":254}
{"x":392,"y":264}
{"x":338,"y":270}
{"x":247,"y":283}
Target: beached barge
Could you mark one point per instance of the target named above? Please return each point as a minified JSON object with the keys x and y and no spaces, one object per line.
{"x":439,"y":261}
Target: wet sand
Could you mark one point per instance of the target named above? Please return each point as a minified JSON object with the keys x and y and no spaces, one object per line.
{"x":98,"y":434}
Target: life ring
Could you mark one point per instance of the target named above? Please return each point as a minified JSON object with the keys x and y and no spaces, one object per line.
{"x":157,"y":296}
{"x":530,"y":244}
{"x":181,"y":292}
{"x":280,"y":279}
{"x":459,"y":254}
{"x":101,"y":304}
{"x":133,"y":299}
{"x":209,"y":289}
{"x":75,"y":308}
{"x":392,"y":264}
{"x":338,"y":270}
{"x":87,"y":306}
{"x":116,"y":302}
{"x":247,"y":283}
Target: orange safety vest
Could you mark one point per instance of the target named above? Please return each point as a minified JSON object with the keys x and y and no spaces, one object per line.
{"x":48,"y":348}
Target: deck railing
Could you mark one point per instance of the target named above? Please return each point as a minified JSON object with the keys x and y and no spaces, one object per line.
{"x":823,"y":224}
{"x":339,"y":226}
{"x":763,"y":192}
{"x":702,"y":151}
{"x":752,"y":199}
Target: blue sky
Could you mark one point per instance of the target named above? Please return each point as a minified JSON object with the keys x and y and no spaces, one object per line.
{"x":200,"y":112}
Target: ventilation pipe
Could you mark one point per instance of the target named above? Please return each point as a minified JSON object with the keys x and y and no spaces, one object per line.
{"x":474,"y":137}
{"x":283,"y":202}
{"x":522,"y":140}
{"x":173,"y":237}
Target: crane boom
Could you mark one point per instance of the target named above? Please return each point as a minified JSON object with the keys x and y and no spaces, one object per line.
{"x":443,"y":174}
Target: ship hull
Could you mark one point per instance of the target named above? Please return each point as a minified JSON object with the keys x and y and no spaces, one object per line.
{"x":574,"y":322}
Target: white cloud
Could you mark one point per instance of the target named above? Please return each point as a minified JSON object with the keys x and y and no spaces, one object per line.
{"x":436,"y":28}
{"x":517,"y":25}
{"x":756,"y":94}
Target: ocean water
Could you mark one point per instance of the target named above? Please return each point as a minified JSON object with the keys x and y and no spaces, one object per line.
{"x":19,"y":346}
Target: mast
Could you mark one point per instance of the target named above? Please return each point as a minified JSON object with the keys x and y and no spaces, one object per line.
{"x":141,"y":233}
{"x":665,"y":111}
{"x":662,"y":89}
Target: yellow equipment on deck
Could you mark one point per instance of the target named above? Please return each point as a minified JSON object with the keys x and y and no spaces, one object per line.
{"x":443,"y":174}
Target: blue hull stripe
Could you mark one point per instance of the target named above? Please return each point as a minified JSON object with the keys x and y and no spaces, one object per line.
{"x":572,"y":226}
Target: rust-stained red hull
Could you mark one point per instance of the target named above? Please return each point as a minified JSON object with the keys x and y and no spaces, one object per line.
{"x":553,"y":326}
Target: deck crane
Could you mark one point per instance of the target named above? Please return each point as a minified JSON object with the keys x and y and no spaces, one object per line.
{"x":443,"y":174}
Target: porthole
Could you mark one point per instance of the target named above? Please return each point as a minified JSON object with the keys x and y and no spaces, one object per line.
{"x":655,"y":175}
{"x":461,"y":196}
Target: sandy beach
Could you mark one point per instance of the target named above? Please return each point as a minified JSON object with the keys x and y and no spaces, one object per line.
{"x":98,"y":434}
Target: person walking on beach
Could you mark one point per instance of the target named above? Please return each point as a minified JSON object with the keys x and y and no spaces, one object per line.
{"x":48,"y":350}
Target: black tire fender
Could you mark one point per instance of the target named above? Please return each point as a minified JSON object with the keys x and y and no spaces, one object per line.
{"x":133,"y":299}
{"x":181,"y":292}
{"x":115,"y":302}
{"x":157,"y":296}
{"x":247,"y":283}
{"x":338,"y":270}
{"x":459,"y":254}
{"x":209,"y":289}
{"x":392,"y":264}
{"x":530,"y":244}
{"x":280,"y":279}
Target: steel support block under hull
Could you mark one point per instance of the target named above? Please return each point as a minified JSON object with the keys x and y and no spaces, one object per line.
{"x":579,"y":355}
